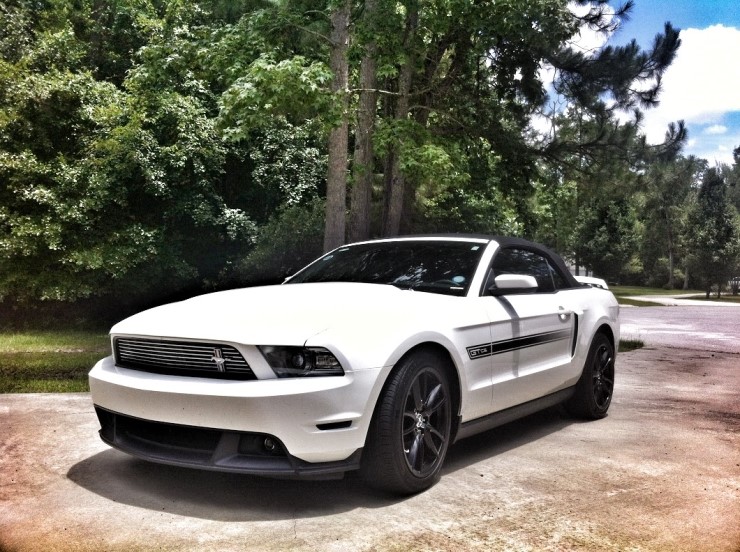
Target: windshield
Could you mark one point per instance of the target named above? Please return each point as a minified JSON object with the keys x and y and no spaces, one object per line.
{"x":435,"y":266}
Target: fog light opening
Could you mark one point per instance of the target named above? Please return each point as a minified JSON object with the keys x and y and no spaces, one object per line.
{"x":269,"y":444}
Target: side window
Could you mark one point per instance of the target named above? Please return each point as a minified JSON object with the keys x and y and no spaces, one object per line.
{"x":522,"y":261}
{"x":560,"y":282}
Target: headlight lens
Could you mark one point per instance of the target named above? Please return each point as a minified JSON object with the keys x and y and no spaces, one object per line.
{"x":292,"y":362}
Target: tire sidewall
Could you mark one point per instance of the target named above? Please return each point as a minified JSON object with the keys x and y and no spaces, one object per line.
{"x":583,"y":403}
{"x":385,"y":438}
{"x":593,"y":409}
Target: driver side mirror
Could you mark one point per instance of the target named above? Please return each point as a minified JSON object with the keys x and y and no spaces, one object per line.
{"x":506,"y":284}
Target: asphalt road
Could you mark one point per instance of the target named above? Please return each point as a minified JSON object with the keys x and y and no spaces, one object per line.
{"x":715,"y":328}
{"x":660,"y":473}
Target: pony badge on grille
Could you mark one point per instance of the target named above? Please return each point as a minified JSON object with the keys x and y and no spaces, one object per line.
{"x":219,"y":359}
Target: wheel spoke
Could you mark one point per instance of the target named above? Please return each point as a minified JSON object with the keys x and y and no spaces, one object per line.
{"x":409,"y":422}
{"x":431,"y":445}
{"x":437,"y":433}
{"x":416,"y":394}
{"x":416,"y":454}
{"x":605,"y":360}
{"x":435,"y":399}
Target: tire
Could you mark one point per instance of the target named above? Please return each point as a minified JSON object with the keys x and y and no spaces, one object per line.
{"x":411,"y":428}
{"x":595,"y":388}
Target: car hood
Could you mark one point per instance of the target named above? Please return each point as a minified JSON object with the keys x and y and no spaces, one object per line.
{"x":276,"y":315}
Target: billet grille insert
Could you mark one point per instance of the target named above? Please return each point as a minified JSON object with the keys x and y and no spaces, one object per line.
{"x":182,"y":358}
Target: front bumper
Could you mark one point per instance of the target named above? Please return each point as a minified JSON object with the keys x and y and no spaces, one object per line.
{"x":314,"y":420}
{"x":212,"y":449}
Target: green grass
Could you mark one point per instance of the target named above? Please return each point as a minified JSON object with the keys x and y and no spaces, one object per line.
{"x":637,"y":303}
{"x":623,"y":294}
{"x":49,"y":362}
{"x":626,"y":345}
{"x":627,"y":291}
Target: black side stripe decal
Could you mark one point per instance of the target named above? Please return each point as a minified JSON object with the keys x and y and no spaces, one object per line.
{"x":508,"y":345}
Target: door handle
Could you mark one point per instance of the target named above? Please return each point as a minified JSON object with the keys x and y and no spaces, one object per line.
{"x":564,"y":314}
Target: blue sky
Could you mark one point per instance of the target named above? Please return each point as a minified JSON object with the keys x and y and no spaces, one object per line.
{"x":702,"y":86}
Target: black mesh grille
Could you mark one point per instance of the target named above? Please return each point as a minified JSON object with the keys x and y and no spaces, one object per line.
{"x":182,"y":358}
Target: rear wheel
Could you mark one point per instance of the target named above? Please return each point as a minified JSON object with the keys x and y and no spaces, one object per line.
{"x":595,"y":388}
{"x":410,"y":431}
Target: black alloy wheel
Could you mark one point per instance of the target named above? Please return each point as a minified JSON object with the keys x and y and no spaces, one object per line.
{"x":595,"y":388}
{"x":603,"y":376}
{"x":411,"y":429}
{"x":426,"y":424}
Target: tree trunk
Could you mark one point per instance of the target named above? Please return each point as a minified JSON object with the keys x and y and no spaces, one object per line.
{"x":686,"y":277}
{"x":670,"y":255}
{"x":364,"y":157}
{"x":336,"y":179}
{"x":395,"y":182}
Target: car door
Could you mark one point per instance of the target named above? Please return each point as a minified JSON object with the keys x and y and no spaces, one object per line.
{"x":533,"y":331}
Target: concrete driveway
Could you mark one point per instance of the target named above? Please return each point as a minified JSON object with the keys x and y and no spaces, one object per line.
{"x":684,"y":300}
{"x":660,"y":473}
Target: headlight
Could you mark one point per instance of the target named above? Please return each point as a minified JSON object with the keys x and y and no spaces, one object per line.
{"x":291,"y":362}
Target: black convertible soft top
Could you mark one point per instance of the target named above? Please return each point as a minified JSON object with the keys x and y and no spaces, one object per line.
{"x":505,"y":242}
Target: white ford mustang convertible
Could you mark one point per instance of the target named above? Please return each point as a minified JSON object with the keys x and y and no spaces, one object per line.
{"x":377,"y":357}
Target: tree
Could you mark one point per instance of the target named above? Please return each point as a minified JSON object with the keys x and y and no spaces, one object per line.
{"x":732,"y":175}
{"x":148,"y":145}
{"x":107,"y":189}
{"x":607,"y":238}
{"x":336,"y":180}
{"x":431,"y":84}
{"x":363,"y":172}
{"x":714,"y":234}
{"x":668,"y":189}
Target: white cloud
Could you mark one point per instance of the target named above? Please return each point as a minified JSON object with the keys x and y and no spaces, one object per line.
{"x":588,"y":41}
{"x":716,"y":129}
{"x":700,"y":87}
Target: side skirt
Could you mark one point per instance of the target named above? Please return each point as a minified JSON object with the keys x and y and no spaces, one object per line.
{"x":496,"y":419}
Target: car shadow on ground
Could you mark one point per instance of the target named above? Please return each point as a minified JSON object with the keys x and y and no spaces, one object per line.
{"x":497,"y":441}
{"x":221,"y":496}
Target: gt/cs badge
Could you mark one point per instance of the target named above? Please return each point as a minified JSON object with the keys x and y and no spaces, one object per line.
{"x":479,"y":351}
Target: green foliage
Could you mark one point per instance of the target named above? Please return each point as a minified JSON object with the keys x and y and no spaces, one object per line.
{"x":607,"y":238}
{"x":294,"y":88}
{"x":554,"y":207}
{"x":475,"y":201}
{"x":159,"y":147}
{"x":432,"y":163}
{"x":714,"y":234}
{"x":107,"y":190}
{"x":460,"y":210}
{"x":667,"y":194}
{"x":289,"y":166}
{"x":290,"y":240}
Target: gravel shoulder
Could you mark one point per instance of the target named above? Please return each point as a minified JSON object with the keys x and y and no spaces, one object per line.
{"x":660,"y":473}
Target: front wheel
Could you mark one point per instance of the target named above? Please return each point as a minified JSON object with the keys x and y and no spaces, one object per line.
{"x":596,"y":386}
{"x":411,"y":428}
